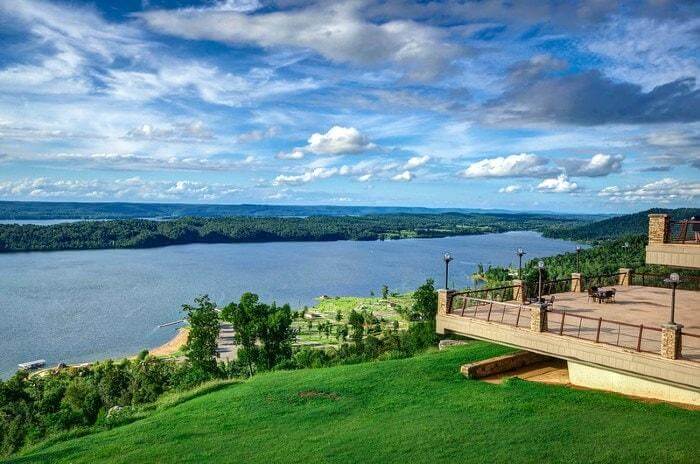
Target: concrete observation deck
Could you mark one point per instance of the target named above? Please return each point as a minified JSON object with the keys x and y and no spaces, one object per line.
{"x":620,"y":346}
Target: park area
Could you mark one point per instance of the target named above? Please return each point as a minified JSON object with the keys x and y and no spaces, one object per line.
{"x":409,"y":410}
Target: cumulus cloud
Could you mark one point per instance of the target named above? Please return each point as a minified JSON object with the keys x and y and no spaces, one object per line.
{"x":666,"y":190}
{"x":510,"y":189}
{"x":335,"y":31}
{"x":416,"y":161}
{"x":133,"y":188}
{"x":405,"y":176}
{"x":337,"y":141}
{"x":560,"y":184}
{"x":295,"y":154}
{"x":597,"y":166}
{"x":308,"y":176}
{"x":522,"y":165}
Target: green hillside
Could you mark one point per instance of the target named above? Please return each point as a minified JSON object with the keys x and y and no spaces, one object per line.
{"x":619,"y":226}
{"x":411,"y":410}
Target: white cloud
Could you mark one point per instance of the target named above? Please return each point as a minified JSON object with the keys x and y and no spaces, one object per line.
{"x":365,"y":178}
{"x":207,"y":82}
{"x":522,"y":165}
{"x":188,"y":132}
{"x":335,"y":31}
{"x":339,"y":140}
{"x":648,"y":51}
{"x":416,"y":161}
{"x":134,"y":162}
{"x":666,"y":190}
{"x":405,"y":176}
{"x":560,"y":184}
{"x":295,"y":154}
{"x":510,"y":189}
{"x":257,"y":135}
{"x":133,"y":188}
{"x":308,"y":176}
{"x":598,"y":166}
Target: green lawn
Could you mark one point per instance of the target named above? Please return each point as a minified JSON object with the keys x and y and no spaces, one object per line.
{"x":385,"y":310}
{"x":405,"y":411}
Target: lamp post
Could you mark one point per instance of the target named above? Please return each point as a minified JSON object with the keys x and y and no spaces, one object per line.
{"x":674,"y":279}
{"x":540,"y":268}
{"x":578,"y":264}
{"x":520,"y":252}
{"x":447,"y":257}
{"x":626,"y":247}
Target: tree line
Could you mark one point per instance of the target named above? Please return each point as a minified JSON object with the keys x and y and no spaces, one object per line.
{"x":140,"y":233}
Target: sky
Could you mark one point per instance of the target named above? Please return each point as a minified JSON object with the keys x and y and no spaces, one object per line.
{"x":570,"y":106}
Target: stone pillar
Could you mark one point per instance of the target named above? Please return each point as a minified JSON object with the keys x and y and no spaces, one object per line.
{"x":519,"y":291}
{"x":671,"y":341}
{"x":538,"y":318}
{"x":576,"y":282}
{"x":658,"y":228}
{"x":625,"y":277}
{"x":445,"y":301}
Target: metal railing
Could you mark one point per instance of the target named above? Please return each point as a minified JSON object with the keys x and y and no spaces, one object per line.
{"x":549,"y":287}
{"x":685,"y":231}
{"x":637,"y":337}
{"x":690,"y":346}
{"x":604,"y":280}
{"x":516,"y":315}
{"x":645,"y":279}
{"x":504,"y":293}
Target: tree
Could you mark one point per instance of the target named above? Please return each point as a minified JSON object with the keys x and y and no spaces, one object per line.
{"x":357,"y":322}
{"x":276,"y":334}
{"x":339,"y":316}
{"x":385,"y":291}
{"x":244,"y":317}
{"x":200,"y":348}
{"x":425,"y":301}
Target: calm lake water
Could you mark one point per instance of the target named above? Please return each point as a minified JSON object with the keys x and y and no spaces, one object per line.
{"x":75,"y":306}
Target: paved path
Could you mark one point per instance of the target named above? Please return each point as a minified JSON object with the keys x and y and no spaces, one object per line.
{"x":227,"y":349}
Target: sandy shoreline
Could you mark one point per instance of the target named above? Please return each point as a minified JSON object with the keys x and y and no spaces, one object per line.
{"x":173,"y":345}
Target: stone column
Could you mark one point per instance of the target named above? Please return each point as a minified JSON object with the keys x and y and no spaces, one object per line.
{"x":658,"y":228}
{"x":576,"y":282}
{"x":445,"y":301}
{"x":538,"y":318}
{"x":519,"y":291}
{"x":625,"y":277}
{"x":671,"y":341}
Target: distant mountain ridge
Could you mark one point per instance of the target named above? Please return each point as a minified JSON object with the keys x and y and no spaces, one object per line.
{"x":28,"y":210}
{"x":619,"y":226}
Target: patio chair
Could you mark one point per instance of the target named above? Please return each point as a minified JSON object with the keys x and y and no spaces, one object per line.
{"x":592,"y":293}
{"x":609,"y":296}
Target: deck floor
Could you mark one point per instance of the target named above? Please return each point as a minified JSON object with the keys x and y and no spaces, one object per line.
{"x":649,"y":306}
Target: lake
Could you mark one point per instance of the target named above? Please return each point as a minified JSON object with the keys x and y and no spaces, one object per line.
{"x":76,"y":306}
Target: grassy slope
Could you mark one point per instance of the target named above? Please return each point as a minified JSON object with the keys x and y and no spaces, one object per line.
{"x":412,"y":410}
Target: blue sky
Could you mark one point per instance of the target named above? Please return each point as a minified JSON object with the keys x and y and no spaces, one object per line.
{"x":566,"y":106}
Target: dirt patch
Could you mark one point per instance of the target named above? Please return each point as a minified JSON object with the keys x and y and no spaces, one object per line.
{"x":312,"y":394}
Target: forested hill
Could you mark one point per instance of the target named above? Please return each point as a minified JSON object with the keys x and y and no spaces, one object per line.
{"x":619,"y":226}
{"x":35,"y":210}
{"x":141,"y":233}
